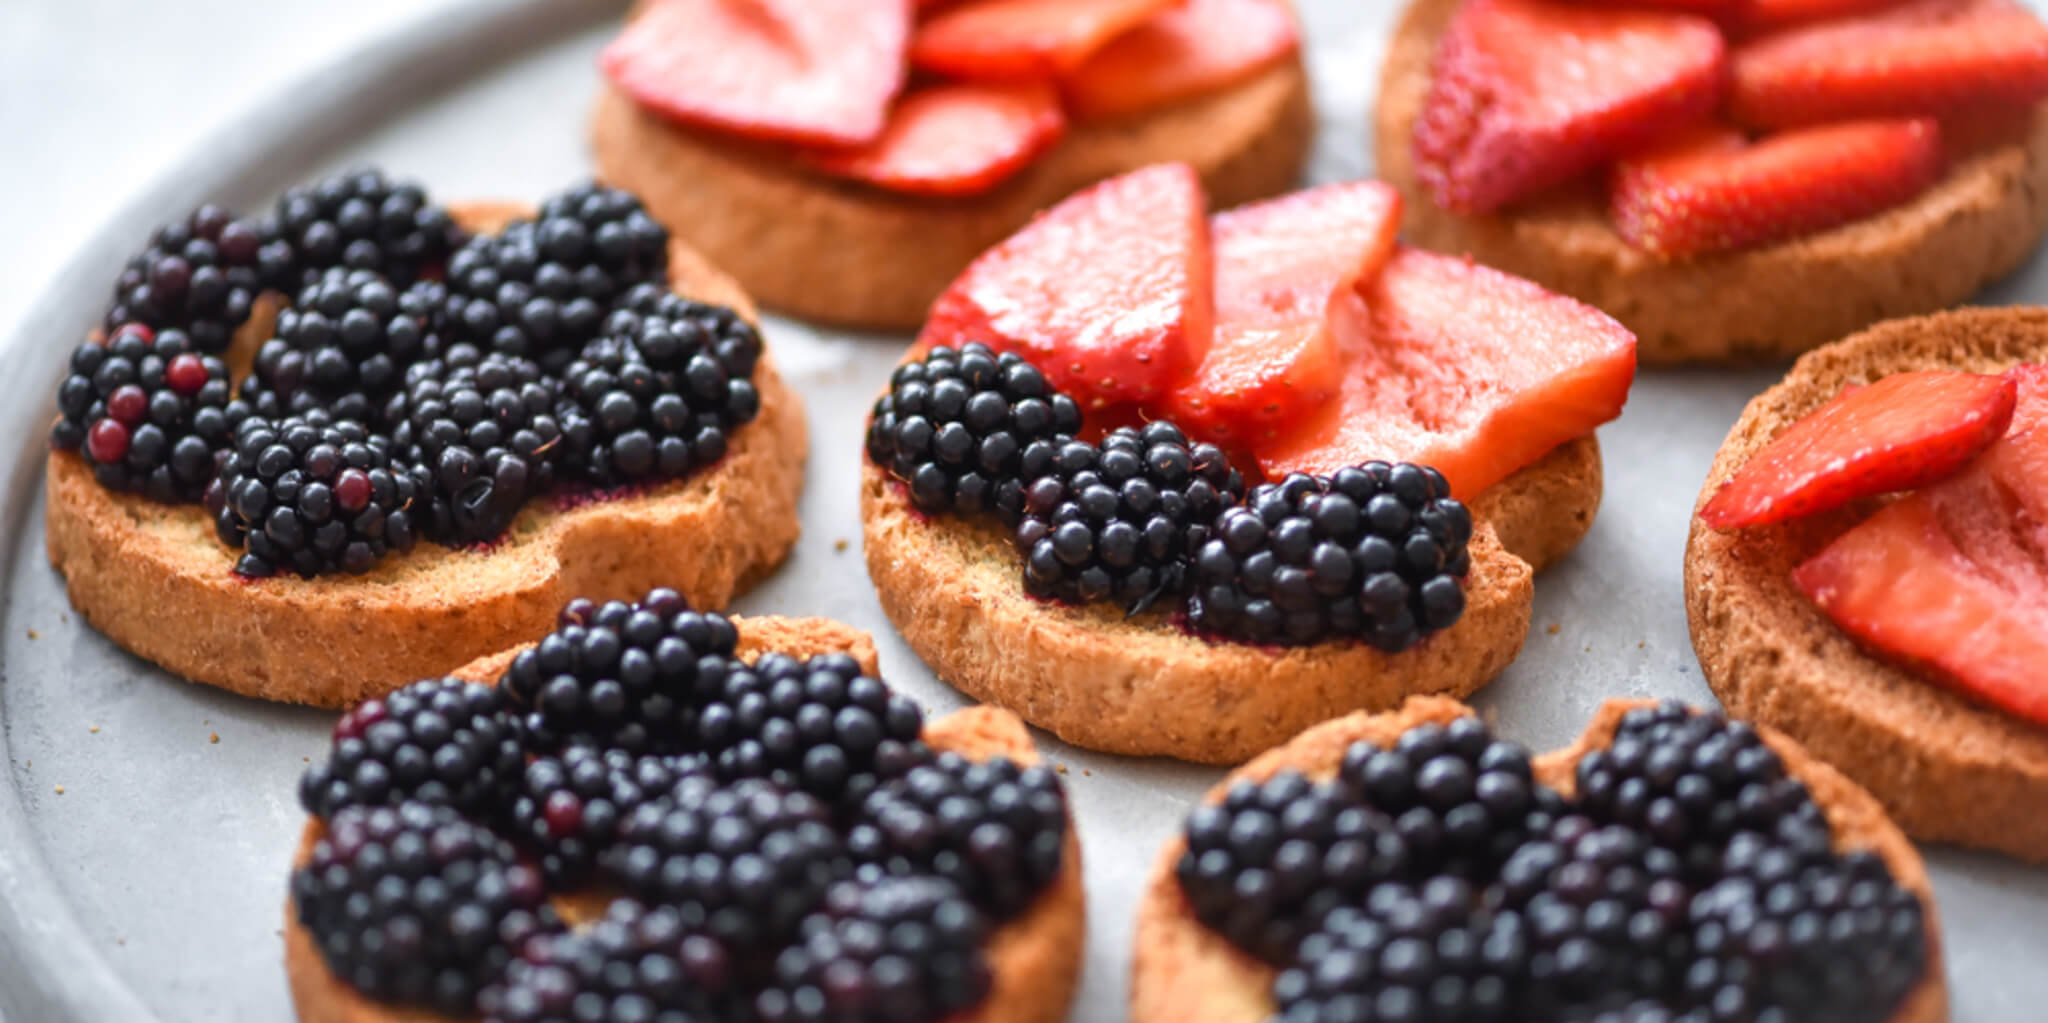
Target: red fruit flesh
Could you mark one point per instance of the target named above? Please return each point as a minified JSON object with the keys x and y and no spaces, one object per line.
{"x":1767,"y":14}
{"x":1465,"y":368}
{"x":817,"y":72}
{"x":1528,"y":94}
{"x":1108,"y":293}
{"x":954,"y":139}
{"x":1009,"y":39}
{"x":1710,"y":191}
{"x":1924,"y":58}
{"x":1181,"y":52}
{"x":1902,"y":432}
{"x":1279,"y":266}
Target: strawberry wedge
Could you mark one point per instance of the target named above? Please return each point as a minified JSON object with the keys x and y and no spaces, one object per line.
{"x":1011,"y":39}
{"x":953,"y":139}
{"x":1180,"y":53}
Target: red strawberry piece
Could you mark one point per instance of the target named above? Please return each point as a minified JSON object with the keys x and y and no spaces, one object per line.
{"x":1462,"y":367}
{"x":1182,"y":52}
{"x":1710,"y":189}
{"x":954,"y":139}
{"x":1529,"y":94}
{"x":1764,"y":14}
{"x":1108,"y":293}
{"x":1902,"y":432}
{"x":1023,"y":38}
{"x":818,"y":72}
{"x":1279,"y":266}
{"x":1923,"y":58}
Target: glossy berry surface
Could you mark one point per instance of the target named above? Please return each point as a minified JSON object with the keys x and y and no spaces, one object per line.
{"x":993,"y":828}
{"x":629,"y":422}
{"x":440,"y":741}
{"x":894,"y":950}
{"x":312,"y":495}
{"x":362,"y":219}
{"x":636,"y":963}
{"x":483,"y":432}
{"x":200,"y":276}
{"x":148,"y":412}
{"x":343,"y":345}
{"x":818,"y":725}
{"x":568,"y":806}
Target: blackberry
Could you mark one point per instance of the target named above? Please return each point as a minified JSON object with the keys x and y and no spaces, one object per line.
{"x":312,"y":495}
{"x":956,"y":425}
{"x":898,"y":950}
{"x":413,"y":904}
{"x":1373,"y":552}
{"x":362,"y":220}
{"x":568,"y":805}
{"x":993,"y":828}
{"x":620,"y":675}
{"x":628,"y":422}
{"x":636,"y":963}
{"x":483,"y":430}
{"x":343,"y":346}
{"x":818,"y":725}
{"x":1407,"y":953}
{"x":147,"y":412}
{"x":1458,"y":797}
{"x":441,"y":741}
{"x":200,"y":275}
{"x":1119,"y":521}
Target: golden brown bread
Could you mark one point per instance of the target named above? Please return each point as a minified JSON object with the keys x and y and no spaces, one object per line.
{"x":1772,"y":302}
{"x":1183,"y":972}
{"x":1144,"y":685}
{"x":156,"y":580}
{"x":1949,"y":769}
{"x":847,"y":253}
{"x":1035,"y":959}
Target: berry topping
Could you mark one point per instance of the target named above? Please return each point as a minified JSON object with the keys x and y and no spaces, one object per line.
{"x":1181,"y":52}
{"x":440,"y":741}
{"x":147,"y":412}
{"x":993,"y":828}
{"x":275,"y":497}
{"x":634,"y":964}
{"x":201,"y":276}
{"x":817,"y":725}
{"x":1011,"y":39}
{"x":484,"y":432}
{"x":897,"y":950}
{"x":362,"y":220}
{"x":344,"y":346}
{"x":953,"y":139}
{"x":628,"y":421}
{"x":568,"y":805}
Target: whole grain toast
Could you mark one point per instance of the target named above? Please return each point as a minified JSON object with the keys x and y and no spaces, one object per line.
{"x":156,"y":580}
{"x":1947,"y":768}
{"x":1144,"y":685}
{"x":1183,"y":972}
{"x":1976,"y":225}
{"x":1035,"y":959}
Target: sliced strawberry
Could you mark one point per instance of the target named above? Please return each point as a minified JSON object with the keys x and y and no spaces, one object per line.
{"x":1755,"y":15}
{"x":1023,"y":38}
{"x":1181,"y":52}
{"x":1108,"y":292}
{"x":1902,"y":432}
{"x":1926,"y":57}
{"x":1279,"y":265}
{"x":1462,"y":367}
{"x":954,"y":139}
{"x":1528,"y":94}
{"x":820,"y":72}
{"x":1710,"y":190}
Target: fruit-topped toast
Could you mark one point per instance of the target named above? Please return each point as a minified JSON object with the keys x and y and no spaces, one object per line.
{"x":844,"y":159}
{"x":1171,"y":483}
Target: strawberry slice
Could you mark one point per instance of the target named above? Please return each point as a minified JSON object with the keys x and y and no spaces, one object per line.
{"x":1902,"y":432}
{"x":1924,"y":58}
{"x":1710,"y":190}
{"x":1108,"y":292}
{"x":954,"y":139}
{"x":1279,"y":265}
{"x":1764,"y":14}
{"x":1182,"y":52}
{"x":1023,"y":38}
{"x":1528,"y":94}
{"x":1462,"y":367}
{"x":820,"y":72}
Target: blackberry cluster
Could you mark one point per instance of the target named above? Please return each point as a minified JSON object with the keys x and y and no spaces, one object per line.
{"x":966,"y":429}
{"x":818,"y":725}
{"x":628,"y":421}
{"x":1120,"y":520}
{"x":1409,"y":953}
{"x":343,"y":346}
{"x":1458,"y":797}
{"x":568,"y":805}
{"x":361,"y":219}
{"x":148,"y":412}
{"x":897,"y":950}
{"x":312,"y":495}
{"x":444,"y":742}
{"x":483,"y":431}
{"x":1375,"y":551}
{"x":201,"y":276}
{"x":992,"y":828}
{"x":636,"y":963}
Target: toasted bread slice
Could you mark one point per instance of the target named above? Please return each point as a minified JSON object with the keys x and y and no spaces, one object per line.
{"x":1145,"y":685}
{"x":1772,"y":302}
{"x":1183,"y":972}
{"x":155,"y":579}
{"x":1035,"y":959}
{"x":1949,"y":769}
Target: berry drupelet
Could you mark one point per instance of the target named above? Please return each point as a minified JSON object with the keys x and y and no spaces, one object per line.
{"x":628,"y":422}
{"x":441,"y":741}
{"x":681,"y":335}
{"x":1118,"y":521}
{"x":992,"y":827}
{"x":819,"y":724}
{"x":147,"y":412}
{"x":361,"y":219}
{"x":343,"y":345}
{"x":482,"y":429}
{"x":1459,"y":798}
{"x":635,"y":964}
{"x":201,"y":275}
{"x":312,"y":495}
{"x":1408,"y":953}
{"x":568,"y":805}
{"x":897,"y":950}
{"x":1374,"y":552}
{"x":958,"y":424}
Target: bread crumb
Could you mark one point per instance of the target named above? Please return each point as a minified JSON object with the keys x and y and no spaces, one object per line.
{"x":1061,"y":768}
{"x":1554,"y":627}
{"x":1642,"y":644}
{"x":32,"y":634}
{"x":60,"y":790}
{"x":840,"y":545}
{"x":94,"y":729}
{"x":1589,"y":650}
{"x":214,"y":739}
{"x":1086,"y":773}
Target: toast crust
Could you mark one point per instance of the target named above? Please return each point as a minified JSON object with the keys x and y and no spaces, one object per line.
{"x":1949,"y":769}
{"x":846,"y":253}
{"x":1979,"y":223}
{"x":1035,"y":959}
{"x":1183,"y":972}
{"x":155,"y":579}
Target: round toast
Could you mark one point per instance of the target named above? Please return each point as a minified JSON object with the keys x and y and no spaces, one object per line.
{"x":1947,"y":768}
{"x":1035,"y":959}
{"x":1183,"y":972}
{"x":1976,"y":225}
{"x":851,"y":254}
{"x":156,"y":580}
{"x":1145,"y":685}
